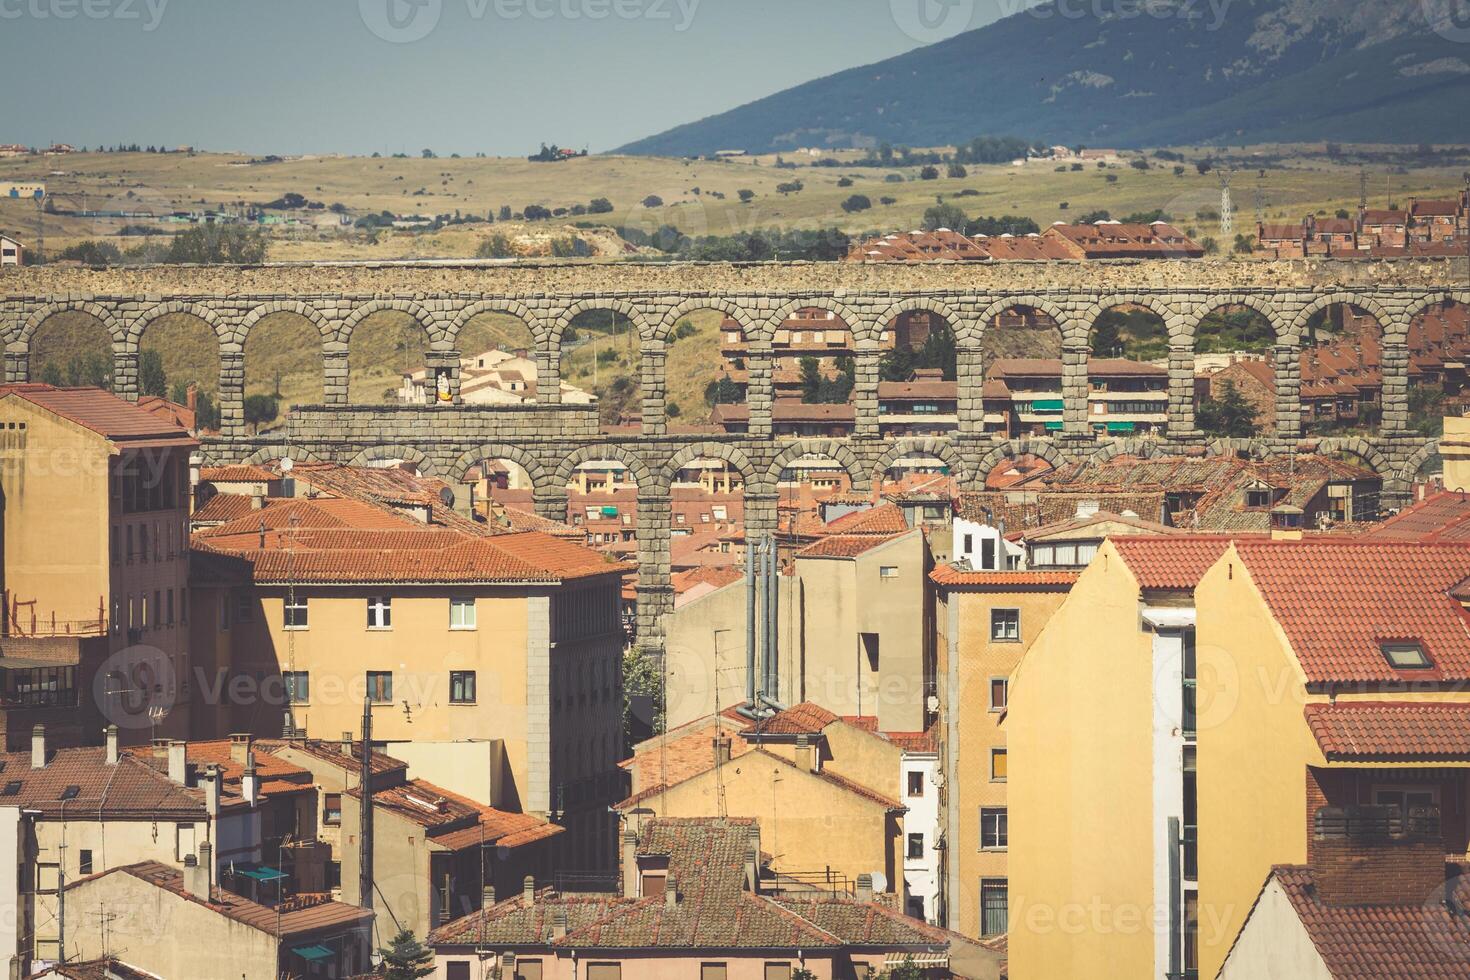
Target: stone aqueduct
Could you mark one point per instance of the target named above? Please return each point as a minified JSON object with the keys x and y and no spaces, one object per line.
{"x":549,"y":440}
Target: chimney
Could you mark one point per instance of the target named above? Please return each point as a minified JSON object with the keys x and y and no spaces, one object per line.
{"x":240,"y":749}
{"x":109,"y":737}
{"x":559,"y":923}
{"x":752,"y":868}
{"x":347,"y":744}
{"x":178,"y":762}
{"x":206,"y":870}
{"x":250,"y":785}
{"x":630,"y":864}
{"x":38,"y":747}
{"x":1376,"y":855}
{"x":191,"y":881}
{"x":191,"y":397}
{"x":865,"y":888}
{"x":528,"y":890}
{"x":487,"y":896}
{"x":722,"y":750}
{"x":211,"y":790}
{"x":805,"y":757}
{"x":257,"y":501}
{"x":671,"y":891}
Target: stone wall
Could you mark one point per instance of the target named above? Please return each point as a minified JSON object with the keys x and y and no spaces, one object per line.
{"x":549,"y":440}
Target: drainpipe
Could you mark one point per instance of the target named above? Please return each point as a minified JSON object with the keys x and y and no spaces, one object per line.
{"x":751,"y":551}
{"x":773,"y":615}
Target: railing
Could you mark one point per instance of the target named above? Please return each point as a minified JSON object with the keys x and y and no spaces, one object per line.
{"x":585,"y":882}
{"x":21,"y":619}
{"x":800,"y":882}
{"x":1368,"y":822}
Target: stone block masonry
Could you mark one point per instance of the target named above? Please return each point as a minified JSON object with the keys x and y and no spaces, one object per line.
{"x":550,"y":440}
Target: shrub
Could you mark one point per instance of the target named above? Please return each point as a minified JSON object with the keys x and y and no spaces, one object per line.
{"x":858,"y":202}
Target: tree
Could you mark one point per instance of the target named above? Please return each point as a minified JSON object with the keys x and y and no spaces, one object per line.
{"x":259,"y":410}
{"x":929,"y":173}
{"x":653,"y":201}
{"x":427,"y":154}
{"x":497,"y":246}
{"x":746,"y":196}
{"x":858,"y":202}
{"x":944,"y":216}
{"x":722,"y":392}
{"x":958,"y":171}
{"x":406,"y":958}
{"x":206,"y":416}
{"x":1230,"y":416}
{"x":811,"y":379}
{"x":1138,"y":164}
{"x":844,"y":182}
{"x":151,"y":379}
{"x":643,"y":710}
{"x":91,"y":253}
{"x":218,"y":245}
{"x":790,"y":187}
{"x":599,"y":205}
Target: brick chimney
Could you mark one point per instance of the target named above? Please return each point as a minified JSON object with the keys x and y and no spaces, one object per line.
{"x":191,"y":397}
{"x":722,"y":750}
{"x":212,"y":790}
{"x":806,"y":757}
{"x":38,"y":747}
{"x":864,"y":888}
{"x":671,"y":892}
{"x":629,"y":864}
{"x":1376,"y":855}
{"x":240,"y":749}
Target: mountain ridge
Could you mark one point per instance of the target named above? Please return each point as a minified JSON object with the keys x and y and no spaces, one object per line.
{"x":1168,"y":72}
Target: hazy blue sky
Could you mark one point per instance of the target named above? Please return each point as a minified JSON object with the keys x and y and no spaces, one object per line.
{"x":497,"y":76}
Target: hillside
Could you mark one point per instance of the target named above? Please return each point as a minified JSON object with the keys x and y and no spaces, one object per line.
{"x":1162,"y":73}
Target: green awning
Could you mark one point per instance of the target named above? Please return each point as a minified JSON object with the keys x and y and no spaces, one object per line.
{"x":259,"y":873}
{"x":313,"y":952}
{"x":1053,"y":427}
{"x":1048,"y":405}
{"x":1120,"y":426}
{"x":609,"y":512}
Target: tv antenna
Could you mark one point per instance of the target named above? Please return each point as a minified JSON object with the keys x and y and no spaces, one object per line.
{"x":1227,"y":208}
{"x":1362,"y":188}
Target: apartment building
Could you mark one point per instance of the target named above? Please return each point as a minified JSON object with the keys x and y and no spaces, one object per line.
{"x":502,"y":652}
{"x":494,"y":377}
{"x":1023,"y":396}
{"x":96,"y":554}
{"x":1060,"y":242}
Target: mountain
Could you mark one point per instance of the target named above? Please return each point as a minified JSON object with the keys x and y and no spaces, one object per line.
{"x":1146,"y":73}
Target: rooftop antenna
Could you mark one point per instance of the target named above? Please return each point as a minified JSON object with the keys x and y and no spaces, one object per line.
{"x":1227,"y":208}
{"x":1362,"y":188}
{"x":1260,"y":197}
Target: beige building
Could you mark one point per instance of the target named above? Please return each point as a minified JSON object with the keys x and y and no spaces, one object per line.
{"x":176,"y":923}
{"x":854,"y":611}
{"x":96,"y":545}
{"x":501,"y":652}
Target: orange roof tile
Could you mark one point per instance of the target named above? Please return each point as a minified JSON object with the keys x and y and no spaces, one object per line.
{"x":1173,"y":562}
{"x":100,"y":411}
{"x":951,"y":577}
{"x":1390,"y":730}
{"x":1339,"y":601}
{"x":845,"y":545}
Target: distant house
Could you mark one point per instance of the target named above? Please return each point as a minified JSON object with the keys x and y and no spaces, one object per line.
{"x":11,"y":252}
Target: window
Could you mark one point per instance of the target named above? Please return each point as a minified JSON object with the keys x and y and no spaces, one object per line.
{"x":157,"y":608}
{"x":888,"y":572}
{"x":457,"y":970}
{"x":295,"y":616}
{"x":997,"y":765}
{"x":994,"y":830}
{"x":170,"y":607}
{"x":380,"y":686}
{"x":84,"y":864}
{"x":1191,"y":931}
{"x":298,"y":686}
{"x":993,"y":906}
{"x":916,"y":782}
{"x":332,"y":809}
{"x":130,"y":543}
{"x":1005,"y":625}
{"x":712,"y":971}
{"x":987,"y":553}
{"x":1188,"y":724}
{"x":461,"y":614}
{"x":461,"y":687}
{"x":967,"y":545}
{"x":527,"y":969}
{"x":1258,"y":498}
{"x":916,"y":847}
{"x":604,"y":971}
{"x":1405,"y":797}
{"x":380,"y":613}
{"x":778,"y":971}
{"x":183,"y":841}
{"x":1406,"y":656}
{"x":1000,"y":692}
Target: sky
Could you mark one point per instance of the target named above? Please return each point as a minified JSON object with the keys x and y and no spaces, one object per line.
{"x":455,"y":76}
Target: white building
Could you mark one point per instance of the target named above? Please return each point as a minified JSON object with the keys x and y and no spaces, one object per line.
{"x":984,"y":547}
{"x":920,"y":780}
{"x":495,"y":377}
{"x":11,"y":252}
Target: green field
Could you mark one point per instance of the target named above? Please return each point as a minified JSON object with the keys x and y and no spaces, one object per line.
{"x":1301,"y":180}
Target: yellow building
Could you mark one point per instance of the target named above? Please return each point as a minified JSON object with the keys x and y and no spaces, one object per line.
{"x":1100,"y":735}
{"x":986,"y":622}
{"x":500,"y":652}
{"x":1332,"y":677}
{"x":96,"y":534}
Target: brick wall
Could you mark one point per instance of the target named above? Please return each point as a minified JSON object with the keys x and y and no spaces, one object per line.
{"x":1379,"y":872}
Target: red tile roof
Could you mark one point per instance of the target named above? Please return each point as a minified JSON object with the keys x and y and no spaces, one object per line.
{"x":801,"y":719}
{"x":100,"y":411}
{"x":1425,"y":941}
{"x":884,"y":519}
{"x":845,"y":545}
{"x":1173,"y":562}
{"x":1391,"y":730}
{"x":831,"y":777}
{"x":238,"y":473}
{"x":455,"y":822}
{"x":1338,"y":601}
{"x":951,"y":577}
{"x":129,"y":790}
{"x":1443,"y":516}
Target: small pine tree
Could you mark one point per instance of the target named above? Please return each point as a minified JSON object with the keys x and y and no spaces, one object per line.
{"x":406,"y":958}
{"x":151,"y":377}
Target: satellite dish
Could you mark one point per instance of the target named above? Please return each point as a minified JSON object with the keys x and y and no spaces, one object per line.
{"x":286,"y":464}
{"x":446,"y":497}
{"x":880,"y":882}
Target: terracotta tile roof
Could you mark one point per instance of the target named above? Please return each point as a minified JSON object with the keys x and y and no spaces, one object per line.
{"x":867,"y":923}
{"x":455,"y":822}
{"x":390,"y":487}
{"x":517,"y":521}
{"x":238,"y":473}
{"x":1047,"y":367}
{"x":100,"y":411}
{"x":686,"y":751}
{"x":332,"y":752}
{"x":831,"y":777}
{"x":1338,"y":601}
{"x":223,"y":508}
{"x":883,"y":519}
{"x":1173,"y":562}
{"x":299,"y":916}
{"x":845,"y":545}
{"x":1425,"y":941}
{"x":105,"y":969}
{"x":1443,"y":516}
{"x":519,"y":923}
{"x":1390,"y":730}
{"x":915,"y":741}
{"x":276,"y":774}
{"x":705,"y":575}
{"x":1092,"y":520}
{"x":129,"y":790}
{"x":801,"y":719}
{"x":951,"y":577}
{"x":1024,"y":509}
{"x":171,"y":412}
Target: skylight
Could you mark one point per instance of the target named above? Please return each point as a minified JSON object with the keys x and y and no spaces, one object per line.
{"x":71,"y":792}
{"x":1405,"y":655}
